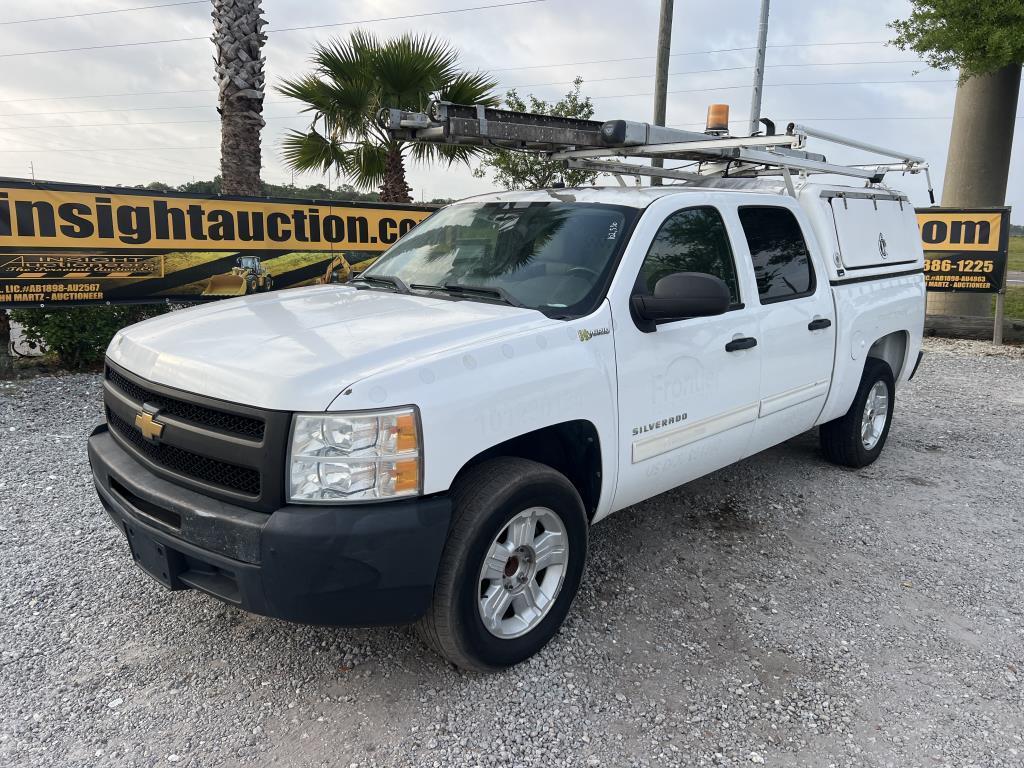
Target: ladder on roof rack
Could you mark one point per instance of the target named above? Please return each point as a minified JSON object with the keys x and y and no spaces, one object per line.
{"x":597,"y":146}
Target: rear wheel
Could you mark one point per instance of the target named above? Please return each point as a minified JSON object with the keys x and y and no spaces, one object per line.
{"x":511,"y":567}
{"x":856,"y":439}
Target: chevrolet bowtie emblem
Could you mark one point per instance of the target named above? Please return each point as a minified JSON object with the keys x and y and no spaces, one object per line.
{"x":147,"y":424}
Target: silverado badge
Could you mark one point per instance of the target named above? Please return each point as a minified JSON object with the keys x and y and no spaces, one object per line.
{"x":150,"y":428}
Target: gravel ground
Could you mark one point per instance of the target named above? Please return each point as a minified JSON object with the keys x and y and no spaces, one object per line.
{"x":780,"y":612}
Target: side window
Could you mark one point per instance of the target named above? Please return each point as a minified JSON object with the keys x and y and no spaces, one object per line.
{"x":692,"y":240}
{"x":782,"y":263}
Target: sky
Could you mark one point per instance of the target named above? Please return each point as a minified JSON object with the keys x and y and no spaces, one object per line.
{"x":135,"y":111}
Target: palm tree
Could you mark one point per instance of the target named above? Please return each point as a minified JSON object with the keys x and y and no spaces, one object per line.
{"x":237,"y":26}
{"x":351,"y":81}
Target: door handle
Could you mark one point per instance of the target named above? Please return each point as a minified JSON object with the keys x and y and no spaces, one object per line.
{"x":819,"y":324}
{"x":737,"y":344}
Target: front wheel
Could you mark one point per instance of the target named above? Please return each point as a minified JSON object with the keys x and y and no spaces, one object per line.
{"x":856,"y":439}
{"x":511,"y":567}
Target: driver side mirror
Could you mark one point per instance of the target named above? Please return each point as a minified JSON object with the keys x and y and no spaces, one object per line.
{"x":679,"y":296}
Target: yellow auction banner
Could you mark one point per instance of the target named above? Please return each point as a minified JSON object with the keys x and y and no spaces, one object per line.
{"x":72,"y":244}
{"x":965,"y":248}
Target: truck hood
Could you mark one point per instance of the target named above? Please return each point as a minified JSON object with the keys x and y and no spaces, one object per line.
{"x":297,"y":349}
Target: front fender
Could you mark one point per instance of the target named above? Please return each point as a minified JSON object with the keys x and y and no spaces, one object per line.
{"x":473,"y":398}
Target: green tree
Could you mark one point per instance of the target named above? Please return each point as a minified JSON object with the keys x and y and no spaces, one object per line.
{"x":78,"y":336}
{"x":978,"y":38}
{"x":352,"y":80}
{"x":985,"y":41}
{"x":529,"y":170}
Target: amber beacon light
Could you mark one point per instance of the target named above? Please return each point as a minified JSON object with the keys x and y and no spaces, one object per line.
{"x":718,"y":119}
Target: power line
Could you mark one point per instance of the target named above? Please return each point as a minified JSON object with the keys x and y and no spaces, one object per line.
{"x":407,"y":16}
{"x":843,"y":119}
{"x":102,"y":13}
{"x":721,"y":69}
{"x":281,"y":29}
{"x":114,"y":159}
{"x":528,"y":85}
{"x":775,"y":85}
{"x":108,"y":149}
{"x":118,"y":109}
{"x":289,"y":117}
{"x":108,"y":95}
{"x":113,"y":125}
{"x":43,"y":150}
{"x":687,"y":53}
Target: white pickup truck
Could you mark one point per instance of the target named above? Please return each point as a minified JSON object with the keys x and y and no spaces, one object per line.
{"x":432,"y":442}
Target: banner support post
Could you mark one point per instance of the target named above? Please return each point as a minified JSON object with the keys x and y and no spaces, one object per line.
{"x":6,"y":358}
{"x":997,"y":327}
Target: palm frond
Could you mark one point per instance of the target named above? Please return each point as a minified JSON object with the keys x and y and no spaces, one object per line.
{"x":310,"y":90}
{"x":470,"y":88}
{"x":346,"y":61}
{"x":311,"y":151}
{"x":410,"y":68}
{"x":365,"y":164}
{"x":450,"y":154}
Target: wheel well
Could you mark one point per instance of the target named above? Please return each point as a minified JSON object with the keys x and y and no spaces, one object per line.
{"x":892,"y":348}
{"x":572,"y":447}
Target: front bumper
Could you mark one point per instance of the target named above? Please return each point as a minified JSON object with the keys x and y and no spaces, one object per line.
{"x":351,"y":565}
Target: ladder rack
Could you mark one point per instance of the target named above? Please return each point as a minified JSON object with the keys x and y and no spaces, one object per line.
{"x":598,"y":146}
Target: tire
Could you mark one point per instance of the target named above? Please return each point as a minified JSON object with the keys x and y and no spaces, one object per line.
{"x":486,"y":501}
{"x":843,"y":440}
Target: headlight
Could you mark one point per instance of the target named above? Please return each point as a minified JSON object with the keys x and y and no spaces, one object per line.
{"x":354,"y":456}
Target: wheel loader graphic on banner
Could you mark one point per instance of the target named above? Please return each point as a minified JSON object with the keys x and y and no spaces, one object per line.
{"x":250,"y":276}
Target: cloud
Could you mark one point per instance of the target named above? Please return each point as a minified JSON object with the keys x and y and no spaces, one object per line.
{"x":520,"y":44}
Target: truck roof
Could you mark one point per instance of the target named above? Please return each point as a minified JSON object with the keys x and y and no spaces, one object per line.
{"x":641,"y":197}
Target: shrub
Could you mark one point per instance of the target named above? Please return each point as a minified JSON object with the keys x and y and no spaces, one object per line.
{"x":78,"y":336}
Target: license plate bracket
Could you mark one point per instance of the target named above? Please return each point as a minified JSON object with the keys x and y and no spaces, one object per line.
{"x":152,"y":556}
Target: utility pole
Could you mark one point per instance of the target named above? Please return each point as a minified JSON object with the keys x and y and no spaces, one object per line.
{"x":661,"y":74}
{"x":762,"y":43}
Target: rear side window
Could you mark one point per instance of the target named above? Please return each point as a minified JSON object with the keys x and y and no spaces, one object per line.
{"x":692,"y":240}
{"x":782,"y":263}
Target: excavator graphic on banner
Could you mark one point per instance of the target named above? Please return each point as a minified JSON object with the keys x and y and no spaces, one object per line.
{"x":250,"y":276}
{"x":338,"y":271}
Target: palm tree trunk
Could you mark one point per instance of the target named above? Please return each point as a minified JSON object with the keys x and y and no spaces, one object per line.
{"x":395,"y":189}
{"x":237,"y":26}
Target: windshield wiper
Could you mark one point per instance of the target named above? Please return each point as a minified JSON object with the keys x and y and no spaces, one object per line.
{"x":487,"y":291}
{"x":395,"y":283}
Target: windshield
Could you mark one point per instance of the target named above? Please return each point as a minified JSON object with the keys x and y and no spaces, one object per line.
{"x":551,"y":256}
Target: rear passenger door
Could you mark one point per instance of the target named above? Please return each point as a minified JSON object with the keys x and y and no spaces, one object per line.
{"x":797,"y":324}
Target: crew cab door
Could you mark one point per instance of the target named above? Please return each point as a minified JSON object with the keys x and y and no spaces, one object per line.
{"x":688,"y":390}
{"x":797,"y":321}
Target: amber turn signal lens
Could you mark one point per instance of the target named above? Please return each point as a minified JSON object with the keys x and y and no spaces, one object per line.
{"x":407,"y":475}
{"x":406,"y":438}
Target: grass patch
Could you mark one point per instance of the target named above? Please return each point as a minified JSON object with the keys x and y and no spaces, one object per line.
{"x":1014,"y":302}
{"x":1017,"y":254}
